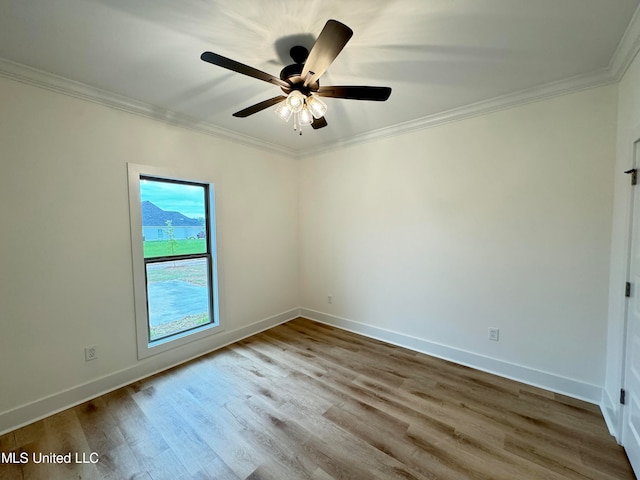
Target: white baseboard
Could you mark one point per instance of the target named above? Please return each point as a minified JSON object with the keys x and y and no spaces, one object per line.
{"x":611,"y":412}
{"x":57,"y":402}
{"x":530,"y":376}
{"x":41,"y":408}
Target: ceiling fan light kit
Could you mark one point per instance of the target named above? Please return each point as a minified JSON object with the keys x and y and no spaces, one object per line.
{"x":303,"y":109}
{"x":316,"y":106}
{"x":284,"y":111}
{"x":300,"y":81}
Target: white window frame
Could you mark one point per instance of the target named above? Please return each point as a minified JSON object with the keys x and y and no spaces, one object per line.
{"x":147,"y":348}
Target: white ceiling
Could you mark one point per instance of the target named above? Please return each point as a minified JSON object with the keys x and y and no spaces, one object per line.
{"x":437,"y":55}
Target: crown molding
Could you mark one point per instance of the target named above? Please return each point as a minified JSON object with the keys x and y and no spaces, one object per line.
{"x":55,"y":83}
{"x":534,"y":94}
{"x":625,"y":53}
{"x":627,"y":49}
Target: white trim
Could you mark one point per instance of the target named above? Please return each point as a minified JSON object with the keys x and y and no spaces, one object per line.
{"x":538,"y":378}
{"x":49,"y":81}
{"x":52,"y":404}
{"x":504,"y":102}
{"x":145,"y":347}
{"x":610,"y":412}
{"x":625,"y":417}
{"x":613,"y":412}
{"x":627,"y":49}
{"x":33,"y":411}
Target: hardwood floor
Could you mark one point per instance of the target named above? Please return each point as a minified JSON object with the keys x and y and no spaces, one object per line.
{"x":307,"y":401}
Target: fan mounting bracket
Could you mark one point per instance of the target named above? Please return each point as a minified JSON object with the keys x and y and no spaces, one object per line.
{"x":299,"y":53}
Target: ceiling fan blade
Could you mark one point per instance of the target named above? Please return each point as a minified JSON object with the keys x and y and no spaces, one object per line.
{"x":378,"y":94}
{"x":332,"y":39}
{"x":318,"y":123}
{"x":234,"y":66}
{"x":258,"y":107}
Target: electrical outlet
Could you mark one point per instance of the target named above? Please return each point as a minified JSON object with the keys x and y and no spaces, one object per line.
{"x":329,"y":298}
{"x":494,"y":334}
{"x":90,"y":353}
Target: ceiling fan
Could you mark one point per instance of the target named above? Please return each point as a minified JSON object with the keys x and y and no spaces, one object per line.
{"x":300,"y":81}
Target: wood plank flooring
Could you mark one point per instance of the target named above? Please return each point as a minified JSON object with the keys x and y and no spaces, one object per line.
{"x":308,"y":401}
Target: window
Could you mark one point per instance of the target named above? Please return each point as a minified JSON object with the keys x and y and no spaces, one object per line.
{"x":173,"y":244}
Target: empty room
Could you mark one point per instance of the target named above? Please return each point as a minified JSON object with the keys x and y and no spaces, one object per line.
{"x":320,"y":239}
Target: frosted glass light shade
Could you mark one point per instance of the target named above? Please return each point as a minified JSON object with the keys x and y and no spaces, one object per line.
{"x":306,"y":118}
{"x":317,"y":107}
{"x":284,"y":111}
{"x":295,"y":100}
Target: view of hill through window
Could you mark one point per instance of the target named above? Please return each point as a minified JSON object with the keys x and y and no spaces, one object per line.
{"x":176,"y":252}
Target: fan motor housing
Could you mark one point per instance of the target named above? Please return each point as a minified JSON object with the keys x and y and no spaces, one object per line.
{"x":292,"y":73}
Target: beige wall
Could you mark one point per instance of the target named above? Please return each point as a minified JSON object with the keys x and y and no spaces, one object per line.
{"x":425,"y":239}
{"x":501,"y":220}
{"x":65,"y":255}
